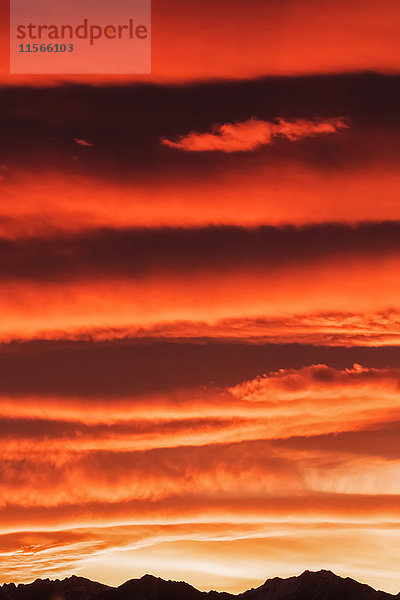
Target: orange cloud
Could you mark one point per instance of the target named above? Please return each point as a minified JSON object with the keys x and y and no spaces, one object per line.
{"x":369,"y":285}
{"x":242,"y":554}
{"x":119,"y":455}
{"x":319,"y":329}
{"x":82,"y":142}
{"x":285,"y":194}
{"x":166,"y":460}
{"x":254,"y":133}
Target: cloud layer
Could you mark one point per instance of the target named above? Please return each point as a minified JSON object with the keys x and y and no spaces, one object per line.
{"x":199,"y":349}
{"x":73,"y":492}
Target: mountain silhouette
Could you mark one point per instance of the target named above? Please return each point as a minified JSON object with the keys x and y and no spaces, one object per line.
{"x":72,"y":588}
{"x":310,"y":585}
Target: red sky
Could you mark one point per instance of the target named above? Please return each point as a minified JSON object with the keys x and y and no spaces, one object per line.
{"x":200,"y":357}
{"x":263,"y":37}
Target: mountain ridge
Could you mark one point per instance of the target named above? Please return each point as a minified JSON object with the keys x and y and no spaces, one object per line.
{"x":310,"y":585}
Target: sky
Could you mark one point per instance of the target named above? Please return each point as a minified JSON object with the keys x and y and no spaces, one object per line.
{"x":199,"y":291}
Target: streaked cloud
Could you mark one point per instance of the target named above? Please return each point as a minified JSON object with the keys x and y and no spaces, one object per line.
{"x":317,"y":329}
{"x":199,"y":349}
{"x":43,"y":275}
{"x":70,"y":506}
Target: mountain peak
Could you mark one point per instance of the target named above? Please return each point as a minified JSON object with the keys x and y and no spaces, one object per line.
{"x":321,"y":574}
{"x":70,"y":588}
{"x":314,"y":585}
